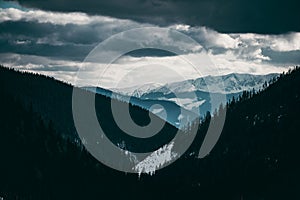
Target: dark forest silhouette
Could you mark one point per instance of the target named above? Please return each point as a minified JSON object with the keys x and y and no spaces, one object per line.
{"x":42,"y":158}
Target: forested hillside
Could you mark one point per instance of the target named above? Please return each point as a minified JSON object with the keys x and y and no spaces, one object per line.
{"x":40,"y":158}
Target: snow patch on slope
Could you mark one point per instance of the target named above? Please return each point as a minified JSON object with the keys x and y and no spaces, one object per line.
{"x":156,"y":159}
{"x":187,"y":103}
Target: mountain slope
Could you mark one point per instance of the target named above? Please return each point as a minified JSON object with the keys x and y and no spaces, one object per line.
{"x":227,"y":84}
{"x":257,"y":152}
{"x":166,"y":110}
{"x":196,"y":96}
{"x":53,"y":100}
{"x":257,"y":156}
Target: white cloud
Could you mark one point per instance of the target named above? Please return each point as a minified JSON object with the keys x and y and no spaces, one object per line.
{"x":281,"y":43}
{"x":247,"y":46}
{"x":241,"y":53}
{"x":209,"y":37}
{"x":13,"y":14}
{"x":288,"y":42}
{"x":230,"y":63}
{"x":22,"y":42}
{"x":131,"y":71}
{"x":182,"y":27}
{"x":219,"y":39}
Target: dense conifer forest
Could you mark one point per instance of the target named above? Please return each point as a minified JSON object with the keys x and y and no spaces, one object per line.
{"x":41,"y":156}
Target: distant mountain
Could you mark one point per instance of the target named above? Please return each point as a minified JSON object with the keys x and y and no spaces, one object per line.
{"x":226,"y":84}
{"x":137,"y":91}
{"x":195,"y":95}
{"x":166,"y":110}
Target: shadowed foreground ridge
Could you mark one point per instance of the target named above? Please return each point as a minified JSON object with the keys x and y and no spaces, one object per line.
{"x":41,"y":157}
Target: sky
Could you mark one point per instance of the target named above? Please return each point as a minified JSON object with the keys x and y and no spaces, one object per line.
{"x":207,"y":37}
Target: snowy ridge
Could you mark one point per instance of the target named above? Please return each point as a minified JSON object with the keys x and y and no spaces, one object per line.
{"x":137,"y":91}
{"x":187,"y":100}
{"x":183,"y":93}
{"x":230,"y":83}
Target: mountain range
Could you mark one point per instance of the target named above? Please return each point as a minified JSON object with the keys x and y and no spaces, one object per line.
{"x":180,"y":103}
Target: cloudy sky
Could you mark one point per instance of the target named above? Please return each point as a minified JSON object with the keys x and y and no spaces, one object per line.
{"x":59,"y":37}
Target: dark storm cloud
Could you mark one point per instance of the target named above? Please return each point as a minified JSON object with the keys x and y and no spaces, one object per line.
{"x":69,"y":41}
{"x":68,"y":52}
{"x":268,"y":16}
{"x":57,"y":42}
{"x":150,"y":52}
{"x":283,"y":58}
{"x":70,"y":33}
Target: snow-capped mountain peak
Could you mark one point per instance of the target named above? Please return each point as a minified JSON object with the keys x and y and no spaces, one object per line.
{"x":195,"y":95}
{"x":226,"y":84}
{"x":137,"y":91}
